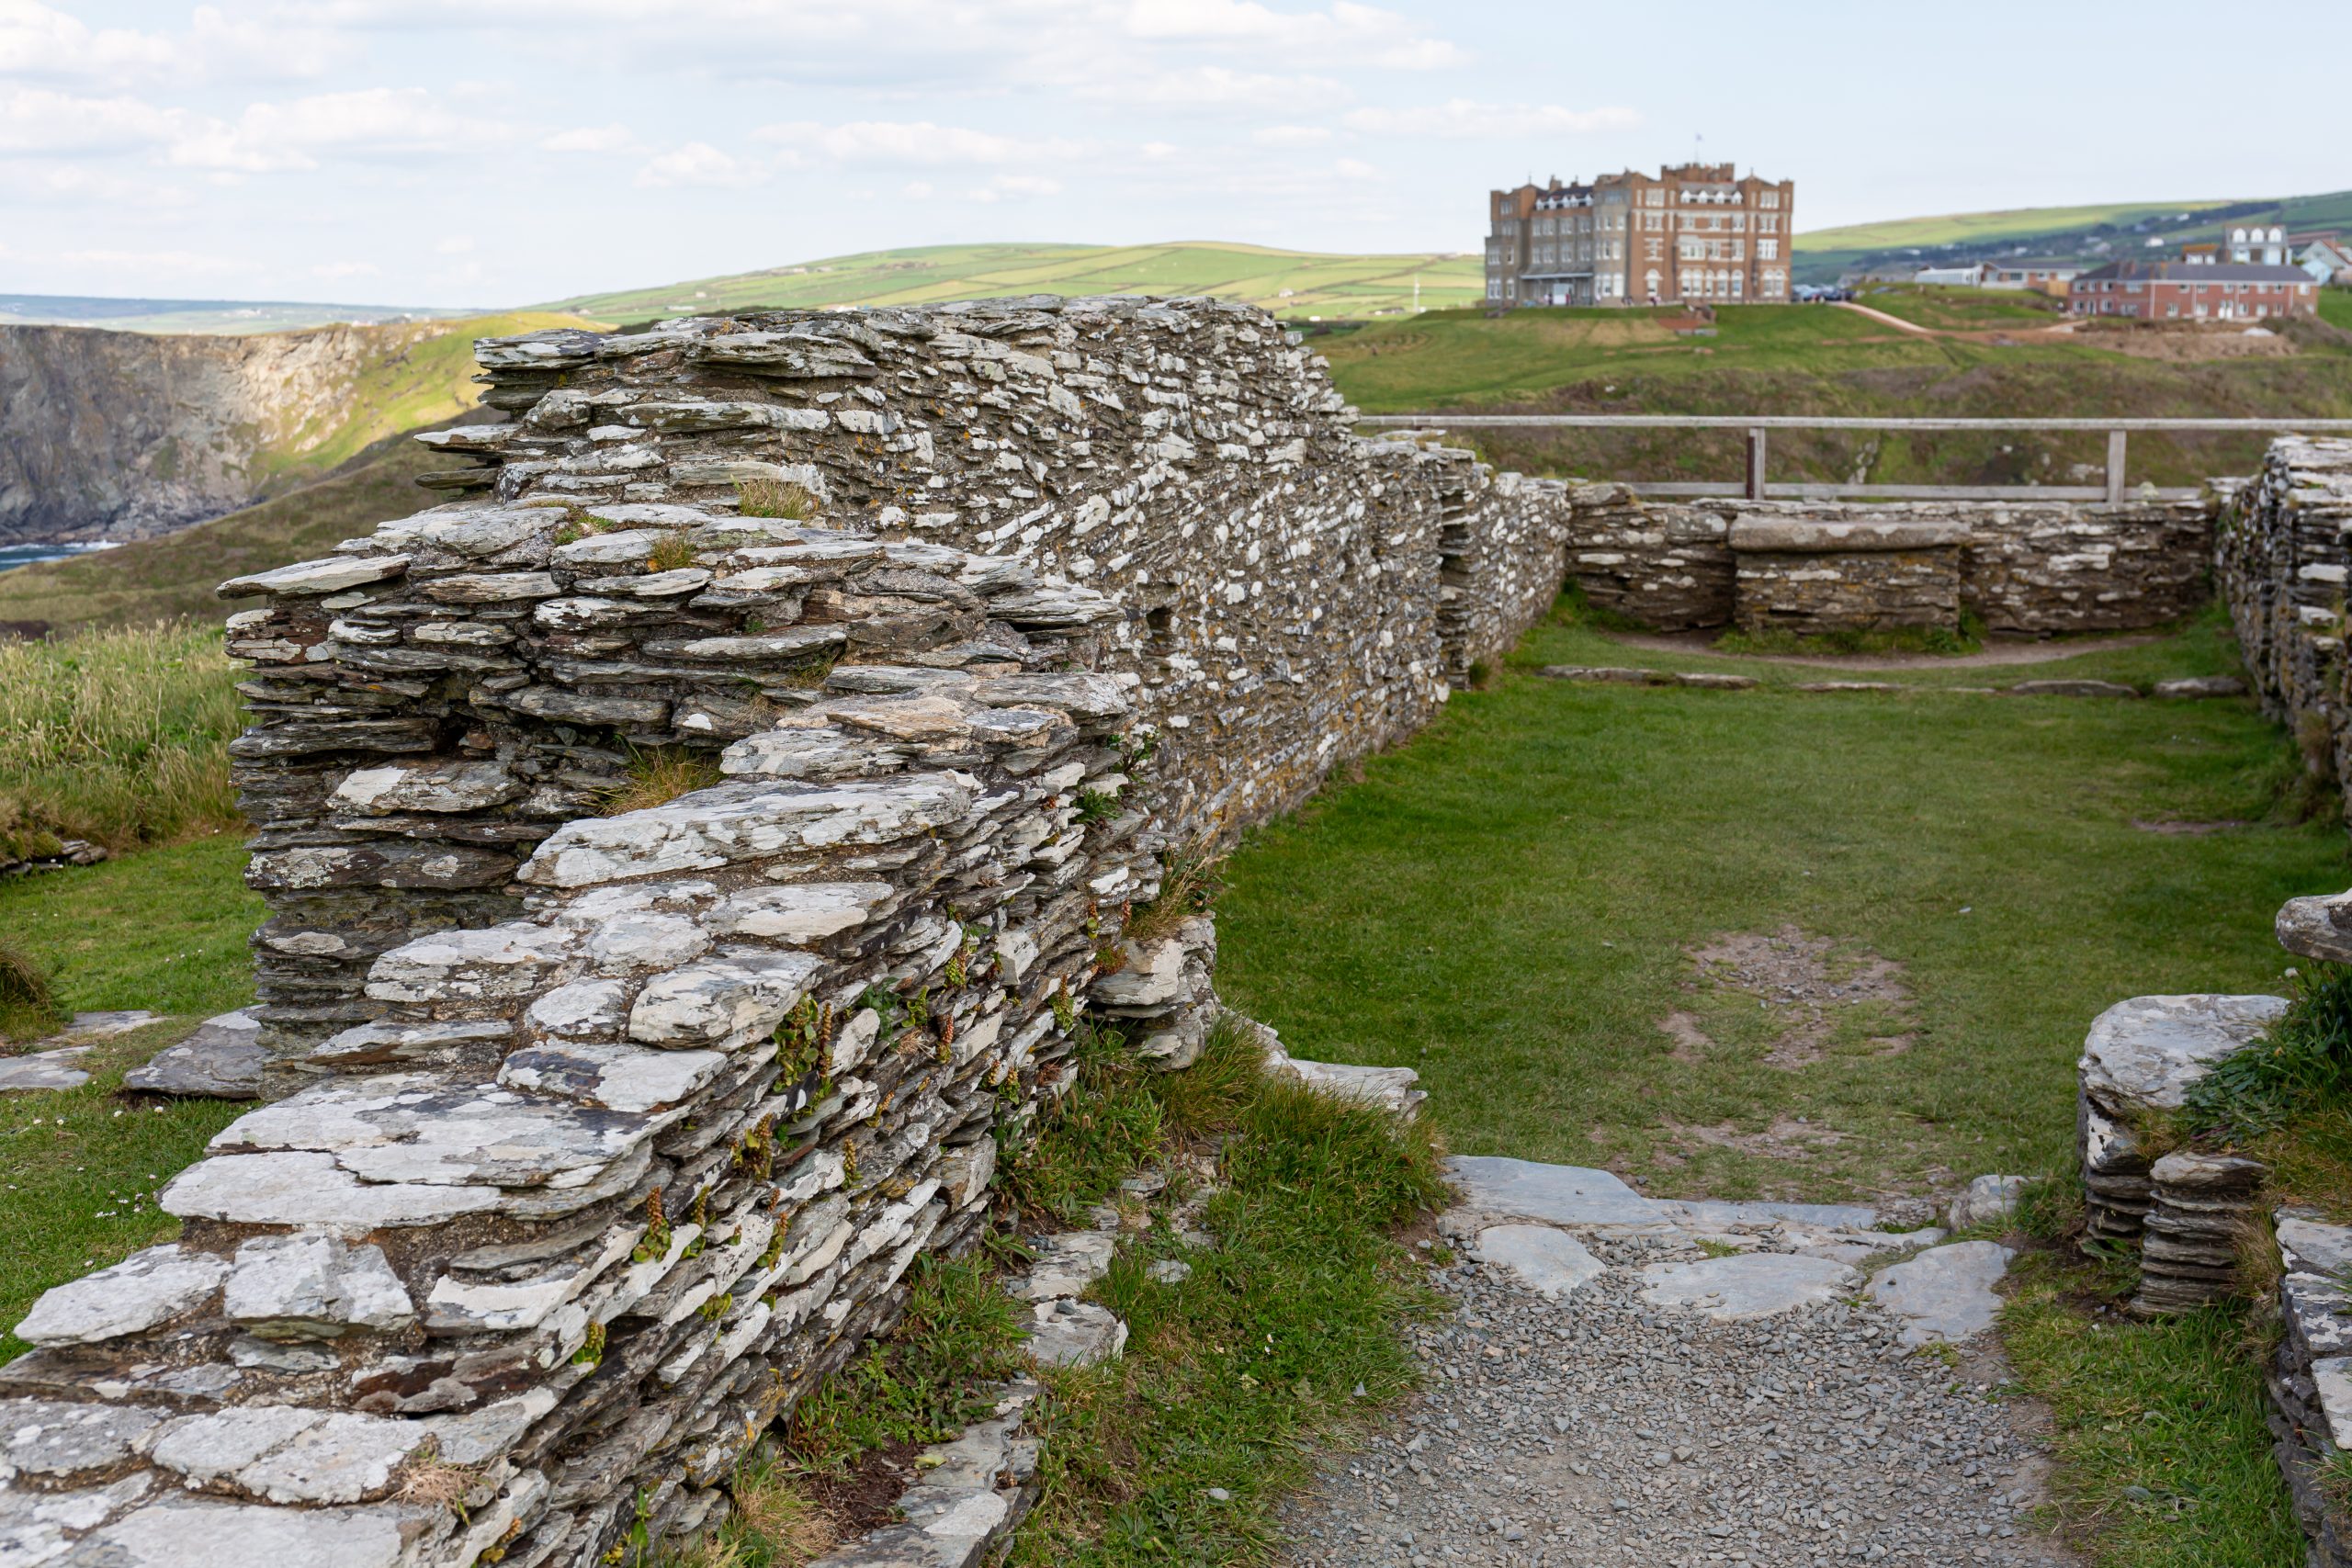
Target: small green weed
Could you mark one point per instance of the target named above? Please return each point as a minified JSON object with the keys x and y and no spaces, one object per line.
{"x":672,"y":552}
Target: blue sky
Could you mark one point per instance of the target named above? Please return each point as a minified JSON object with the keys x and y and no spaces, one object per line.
{"x":500,"y":151}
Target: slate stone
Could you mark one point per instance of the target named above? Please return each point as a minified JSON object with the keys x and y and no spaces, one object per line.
{"x":2072,"y":689}
{"x":200,"y":1533}
{"x":310,"y":1190}
{"x":1945,"y":1292}
{"x":412,"y":1127}
{"x":290,"y":1454}
{"x":728,"y":995}
{"x":312,"y":1286}
{"x":1065,"y":1264}
{"x":147,"y":1288}
{"x":2202,"y":686}
{"x":54,"y":1439}
{"x":2312,"y":1247}
{"x":222,"y":1060}
{"x":330,"y":575}
{"x":1753,"y":1284}
{"x":718,"y":827}
{"x":2144,"y":1052}
{"x":1719,"y":1214}
{"x":1553,"y":1194}
{"x":1549,"y":1261}
{"x":1073,"y":1334}
{"x":41,"y":1071}
{"x":2318,"y":927}
{"x":617,"y":1078}
{"x":1988,"y":1201}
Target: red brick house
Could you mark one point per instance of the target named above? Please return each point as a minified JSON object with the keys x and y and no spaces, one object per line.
{"x":2192,"y":291}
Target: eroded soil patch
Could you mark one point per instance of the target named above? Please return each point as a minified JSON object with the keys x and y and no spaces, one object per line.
{"x":1811,"y":985}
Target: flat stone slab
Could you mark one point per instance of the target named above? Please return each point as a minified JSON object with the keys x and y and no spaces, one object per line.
{"x":145,"y":1289}
{"x":1946,"y":1293}
{"x":1074,"y":1333}
{"x":1391,"y":1089}
{"x":2312,"y":1247}
{"x":1550,"y":1262}
{"x":1717,"y":1215}
{"x":2317,"y":926}
{"x":190,"y":1532}
{"x":1551,"y":1194}
{"x":1988,"y":1201}
{"x":40,"y":1071}
{"x":1067,"y":1263}
{"x":1754,"y":1284}
{"x":2147,"y":1052}
{"x":106,"y":1023}
{"x":2072,"y":689}
{"x":222,"y":1060}
{"x":1806,"y":536}
{"x":2202,"y":686}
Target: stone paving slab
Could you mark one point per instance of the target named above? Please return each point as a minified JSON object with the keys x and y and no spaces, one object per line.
{"x":1946,"y":1293}
{"x":1754,"y":1284}
{"x":1564,"y":1195}
{"x":222,"y":1060}
{"x":44,"y":1070}
{"x":1550,"y":1262}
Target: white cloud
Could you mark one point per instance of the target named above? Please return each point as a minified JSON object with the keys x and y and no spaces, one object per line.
{"x":455,"y":245}
{"x":699,"y":163}
{"x":35,"y":119}
{"x":166,"y":263}
{"x":918,"y":142}
{"x":375,"y":122}
{"x":1460,"y":119}
{"x":1356,"y":33}
{"x":344,"y":269}
{"x":615,"y":138}
{"x":38,"y":41}
{"x":1213,"y":86}
{"x":1291,"y":135}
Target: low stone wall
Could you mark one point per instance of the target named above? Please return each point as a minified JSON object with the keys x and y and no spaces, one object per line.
{"x":2025,"y":568}
{"x":2311,"y":1377}
{"x":1810,"y":578}
{"x":2281,"y":558}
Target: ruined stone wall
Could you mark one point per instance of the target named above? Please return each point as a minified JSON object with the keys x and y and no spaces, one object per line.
{"x":2281,"y":558}
{"x":596,"y":1137}
{"x":2026,"y":568}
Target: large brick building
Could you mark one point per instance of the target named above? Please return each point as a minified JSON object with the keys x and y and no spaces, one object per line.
{"x":1696,"y":231}
{"x":2193,"y":290}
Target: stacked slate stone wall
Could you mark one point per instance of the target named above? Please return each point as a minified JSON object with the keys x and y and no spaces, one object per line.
{"x":597,"y":1136}
{"x":2282,"y":559}
{"x":2025,"y":568}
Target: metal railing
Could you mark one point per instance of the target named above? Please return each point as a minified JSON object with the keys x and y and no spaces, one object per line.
{"x":1753,"y":487}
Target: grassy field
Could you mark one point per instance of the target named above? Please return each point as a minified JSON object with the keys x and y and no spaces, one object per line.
{"x":1289,"y":283}
{"x":116,"y":736}
{"x":1816,"y":360}
{"x":1486,"y":908}
{"x":1963,"y":309}
{"x":164,"y":931}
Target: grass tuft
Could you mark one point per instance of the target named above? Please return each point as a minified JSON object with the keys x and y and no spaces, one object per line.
{"x":28,"y":1008}
{"x":671,"y":552}
{"x":659,"y":775}
{"x":775,"y":498}
{"x":1190,"y":881}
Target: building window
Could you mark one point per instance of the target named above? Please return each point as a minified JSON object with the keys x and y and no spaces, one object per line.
{"x":1768,"y":250}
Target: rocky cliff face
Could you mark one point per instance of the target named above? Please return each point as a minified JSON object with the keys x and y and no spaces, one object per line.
{"x":126,"y":436}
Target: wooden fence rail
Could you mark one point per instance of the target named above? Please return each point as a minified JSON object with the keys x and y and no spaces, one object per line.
{"x":1754,"y":486}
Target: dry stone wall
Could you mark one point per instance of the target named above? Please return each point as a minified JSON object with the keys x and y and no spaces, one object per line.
{"x":2025,"y":568}
{"x":2282,"y":558}
{"x":595,"y":1138}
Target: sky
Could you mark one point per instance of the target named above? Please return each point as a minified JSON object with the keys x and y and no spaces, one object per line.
{"x":481,"y":152}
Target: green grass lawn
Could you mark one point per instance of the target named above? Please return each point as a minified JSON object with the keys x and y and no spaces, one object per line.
{"x":164,"y":931}
{"x":1509,"y":904}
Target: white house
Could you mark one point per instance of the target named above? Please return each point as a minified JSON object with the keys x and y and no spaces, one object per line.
{"x":2328,"y":261}
{"x":2256,"y":245}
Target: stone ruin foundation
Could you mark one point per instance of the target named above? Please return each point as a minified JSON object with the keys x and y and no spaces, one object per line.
{"x":593,"y":1138}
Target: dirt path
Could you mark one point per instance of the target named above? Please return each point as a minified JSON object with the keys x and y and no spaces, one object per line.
{"x":1998,"y":653}
{"x":1969,"y":334}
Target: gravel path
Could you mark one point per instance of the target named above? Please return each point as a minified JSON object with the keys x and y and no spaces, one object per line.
{"x":1597,"y":1427}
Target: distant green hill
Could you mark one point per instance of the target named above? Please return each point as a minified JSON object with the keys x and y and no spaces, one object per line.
{"x":1288,"y":283}
{"x":2093,"y":233}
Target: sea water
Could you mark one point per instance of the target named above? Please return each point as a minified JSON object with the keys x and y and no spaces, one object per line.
{"x":25,"y":555}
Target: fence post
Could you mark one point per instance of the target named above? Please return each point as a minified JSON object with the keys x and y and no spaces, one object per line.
{"x":2115,"y":467}
{"x":1756,"y":463}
